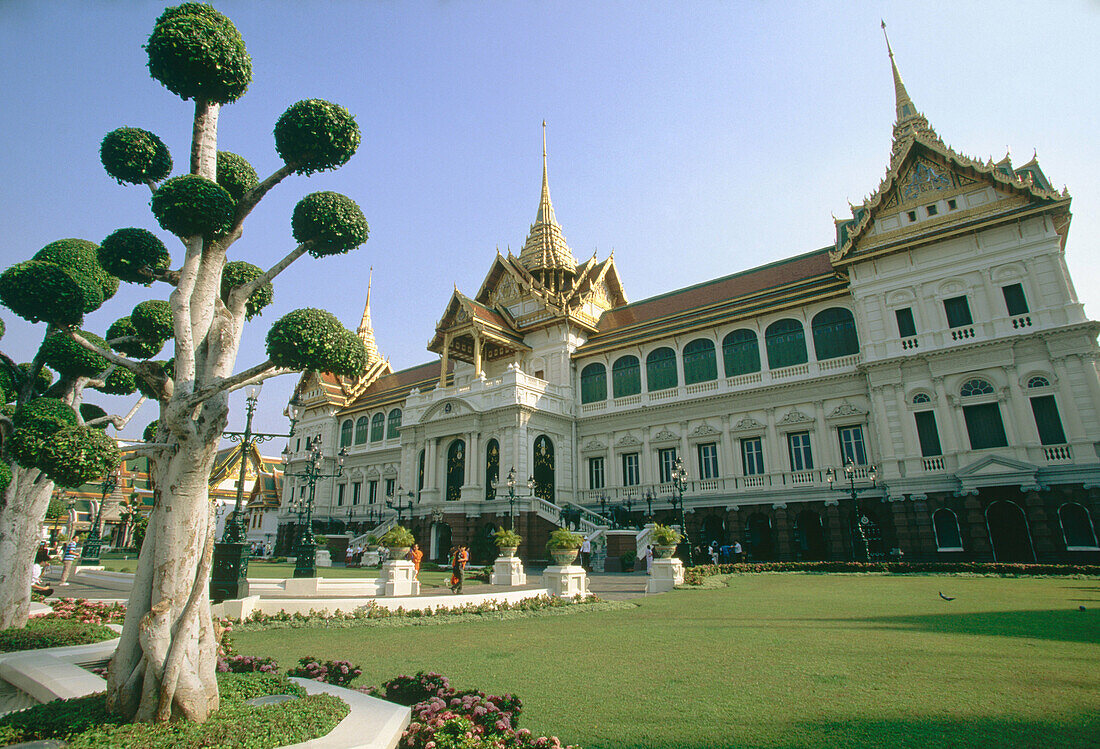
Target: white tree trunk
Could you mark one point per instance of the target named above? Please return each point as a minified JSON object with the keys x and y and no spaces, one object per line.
{"x":24,"y":505}
{"x":164,"y":666}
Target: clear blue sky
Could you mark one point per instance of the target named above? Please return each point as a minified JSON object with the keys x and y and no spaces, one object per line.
{"x":696,"y":139}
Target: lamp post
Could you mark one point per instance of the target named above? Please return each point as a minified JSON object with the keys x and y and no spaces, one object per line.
{"x":679,"y":480}
{"x":89,"y":554}
{"x":229,"y":572}
{"x":511,"y":481}
{"x":627,"y":505}
{"x":862,"y":520}
{"x":401,"y":504}
{"x":603,"y":506}
{"x":649,"y":505}
{"x":306,"y":548}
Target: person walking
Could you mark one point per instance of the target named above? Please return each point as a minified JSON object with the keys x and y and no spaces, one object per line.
{"x":415,"y":555}
{"x":68,"y":559}
{"x":458,"y":569}
{"x":586,"y":552}
{"x":649,"y":559}
{"x":738,"y":554}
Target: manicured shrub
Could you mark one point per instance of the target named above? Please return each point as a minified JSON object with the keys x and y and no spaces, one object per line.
{"x":133,"y":255}
{"x":139,"y":348}
{"x":313,"y":339}
{"x":82,"y":257}
{"x":237,"y":273}
{"x":136,"y":156}
{"x":197,"y":53}
{"x":75,"y":455}
{"x":192,"y":205}
{"x":314,"y":135}
{"x":152,"y":319}
{"x":409,"y":690}
{"x":41,"y":291}
{"x":333,"y":222}
{"x":69,"y":358}
{"x":247,"y":664}
{"x":235,"y":174}
{"x":90,"y":412}
{"x":120,"y":381}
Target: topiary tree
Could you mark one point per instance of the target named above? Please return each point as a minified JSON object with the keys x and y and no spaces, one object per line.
{"x":164,"y":666}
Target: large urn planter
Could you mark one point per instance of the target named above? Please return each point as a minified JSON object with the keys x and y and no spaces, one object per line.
{"x":508,"y":551}
{"x":398,"y":552}
{"x":563,"y":557}
{"x":663,"y":552}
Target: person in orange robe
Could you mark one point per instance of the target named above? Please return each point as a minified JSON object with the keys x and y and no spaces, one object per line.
{"x":414,"y":556}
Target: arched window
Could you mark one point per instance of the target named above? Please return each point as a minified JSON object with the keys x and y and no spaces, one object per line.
{"x":419,"y":473}
{"x":946,"y":527}
{"x":362,"y":426}
{"x":345,"y":433}
{"x":377,"y":427}
{"x":593,"y":383}
{"x":456,"y":469}
{"x":544,"y":468}
{"x":786,"y":344}
{"x":834,"y":332}
{"x":700,"y":364}
{"x":660,"y":369}
{"x":976,"y":387}
{"x":626,"y":377}
{"x":922,"y":398}
{"x":1038,"y":382}
{"x":984,"y":425}
{"x":1077,"y":527}
{"x":741,"y":353}
{"x":492,"y":468}
{"x":393,"y":424}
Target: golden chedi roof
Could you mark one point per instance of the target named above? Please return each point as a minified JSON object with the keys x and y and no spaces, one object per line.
{"x":545,"y":248}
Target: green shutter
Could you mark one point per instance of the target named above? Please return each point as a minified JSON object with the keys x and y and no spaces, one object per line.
{"x":1015,"y":301}
{"x":626,"y":377}
{"x":984,"y":425}
{"x":958,"y":312}
{"x":786,"y":344}
{"x":660,"y":369}
{"x":1047,"y":420}
{"x":928,"y":434}
{"x":740,"y":353}
{"x":593,"y":383}
{"x":700,"y":363}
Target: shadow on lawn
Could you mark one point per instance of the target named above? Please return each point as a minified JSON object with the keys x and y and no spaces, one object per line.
{"x":1069,"y":625}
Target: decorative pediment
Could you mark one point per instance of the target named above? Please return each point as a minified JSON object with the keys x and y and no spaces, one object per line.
{"x":372,"y":473}
{"x":997,"y":470}
{"x":447,"y":409}
{"x":845,"y":411}
{"x":593,"y":445}
{"x":704,"y":430}
{"x":795,"y":417}
{"x":664,"y":436}
{"x":748,"y":424}
{"x":628,"y":440}
{"x":389,"y":471}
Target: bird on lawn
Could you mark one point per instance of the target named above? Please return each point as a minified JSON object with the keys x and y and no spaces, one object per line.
{"x":1080,"y":608}
{"x":946,"y":598}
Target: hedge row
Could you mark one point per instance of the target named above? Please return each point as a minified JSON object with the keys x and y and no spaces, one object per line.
{"x":696,"y":575}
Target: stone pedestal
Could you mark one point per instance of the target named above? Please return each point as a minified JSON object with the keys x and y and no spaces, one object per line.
{"x":664,"y":575}
{"x":399,"y":580}
{"x":508,"y":571}
{"x":324,"y":559}
{"x":567,"y":581}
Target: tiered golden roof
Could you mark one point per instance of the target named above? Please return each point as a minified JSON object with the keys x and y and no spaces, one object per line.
{"x":545,"y":252}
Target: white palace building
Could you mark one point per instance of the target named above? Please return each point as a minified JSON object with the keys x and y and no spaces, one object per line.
{"x":938,"y":348}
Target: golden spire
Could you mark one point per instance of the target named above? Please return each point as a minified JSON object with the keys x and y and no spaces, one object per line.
{"x":546,"y":210}
{"x":903,"y":103}
{"x":366,"y":329}
{"x":545,"y":248}
{"x":909,"y":122}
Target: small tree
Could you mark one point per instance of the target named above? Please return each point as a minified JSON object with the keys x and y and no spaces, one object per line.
{"x":164,"y":666}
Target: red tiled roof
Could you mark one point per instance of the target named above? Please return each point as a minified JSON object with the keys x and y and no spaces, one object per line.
{"x":399,"y":383}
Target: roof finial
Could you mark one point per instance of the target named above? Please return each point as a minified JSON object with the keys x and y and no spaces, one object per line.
{"x":546,"y":210}
{"x":366,"y":329}
{"x":903,"y":103}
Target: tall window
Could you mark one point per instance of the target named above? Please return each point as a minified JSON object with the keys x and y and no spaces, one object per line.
{"x":626,"y":377}
{"x":345,"y":433}
{"x":786,"y":344}
{"x":372,"y":491}
{"x":356,"y":492}
{"x":596,"y":477}
{"x":340,"y":494}
{"x":906,"y":327}
{"x":362,"y":426}
{"x":834,"y":332}
{"x":456,"y":469}
{"x":631,"y":475}
{"x":377,"y":427}
{"x":389,"y":487}
{"x":708,"y":460}
{"x":1047,"y":420}
{"x":752,"y":456}
{"x":393,"y":424}
{"x":666,"y":459}
{"x":946,"y":527}
{"x":700,"y":364}
{"x":958,"y":312}
{"x":492,"y":468}
{"x":740,"y":353}
{"x":1077,"y":528}
{"x":1015,"y":301}
{"x":798,"y":445}
{"x":984,"y":426}
{"x":851,"y":445}
{"x":544,"y":468}
{"x":660,"y":369}
{"x":593,"y":383}
{"x":928,"y":434}
{"x":420,"y":473}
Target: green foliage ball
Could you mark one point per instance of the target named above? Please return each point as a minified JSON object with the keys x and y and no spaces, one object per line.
{"x":235,"y":174}
{"x":149,"y":434}
{"x":90,"y":412}
{"x":35,"y":424}
{"x":313,"y":339}
{"x":120,"y":381}
{"x":136,"y":156}
{"x":80,"y":256}
{"x":40,"y":291}
{"x":123,"y":327}
{"x":5,"y":476}
{"x":331,"y":220}
{"x":70,"y":358}
{"x":152,"y":320}
{"x":314,"y":135}
{"x":11,"y":381}
{"x":133,"y":255}
{"x":42,"y":379}
{"x":197,"y":53}
{"x":237,"y":273}
{"x":75,"y":455}
{"x":192,"y":205}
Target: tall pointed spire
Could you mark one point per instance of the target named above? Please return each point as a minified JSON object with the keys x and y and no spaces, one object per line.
{"x":366,"y":329}
{"x":545,"y":252}
{"x":909,"y":122}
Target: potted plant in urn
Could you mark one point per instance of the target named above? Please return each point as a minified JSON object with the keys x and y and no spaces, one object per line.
{"x":563,"y":546}
{"x":665,"y":539}
{"x":507,"y":541}
{"x":398,"y":540}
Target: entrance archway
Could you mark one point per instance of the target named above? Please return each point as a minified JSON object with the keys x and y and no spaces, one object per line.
{"x":811,"y":536}
{"x":714,"y":529}
{"x":441,"y":543}
{"x":758,"y":534}
{"x":1008,"y":533}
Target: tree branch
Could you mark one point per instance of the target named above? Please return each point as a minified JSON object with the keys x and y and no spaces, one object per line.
{"x":245,"y":291}
{"x":252,"y":375}
{"x":120,"y":361}
{"x":118,"y":421}
{"x":251,"y":199}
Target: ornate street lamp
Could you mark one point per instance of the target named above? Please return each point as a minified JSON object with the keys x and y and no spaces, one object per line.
{"x":89,"y":554}
{"x":679,"y":481}
{"x":511,"y":481}
{"x":862,"y":521}
{"x":401,"y":503}
{"x":306,"y":549}
{"x":649,"y":505}
{"x":229,"y":573}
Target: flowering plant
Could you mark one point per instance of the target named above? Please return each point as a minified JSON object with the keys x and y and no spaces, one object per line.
{"x":339,"y":673}
{"x":246,"y":664}
{"x":89,"y":612}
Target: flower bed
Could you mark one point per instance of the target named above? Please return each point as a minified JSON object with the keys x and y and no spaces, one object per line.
{"x":84,"y":722}
{"x":696,"y":575}
{"x":45,"y":632}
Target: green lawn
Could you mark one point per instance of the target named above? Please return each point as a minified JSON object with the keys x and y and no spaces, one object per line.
{"x":774,"y":660}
